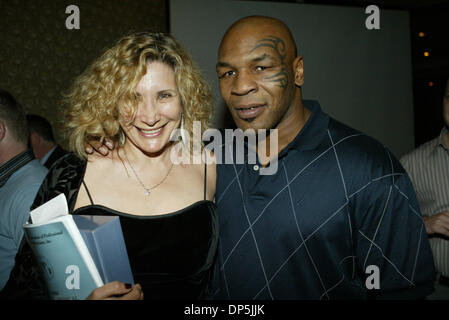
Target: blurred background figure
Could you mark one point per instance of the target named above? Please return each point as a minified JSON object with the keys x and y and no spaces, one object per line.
{"x":42,"y":141}
{"x":428,"y":167}
{"x":20,"y":177}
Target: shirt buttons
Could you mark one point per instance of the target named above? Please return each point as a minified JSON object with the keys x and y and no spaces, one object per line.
{"x":256,"y":167}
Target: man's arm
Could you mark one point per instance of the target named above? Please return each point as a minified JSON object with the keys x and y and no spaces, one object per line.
{"x":12,"y":231}
{"x":391,"y":236}
{"x":8,"y":250}
{"x":437,"y":224}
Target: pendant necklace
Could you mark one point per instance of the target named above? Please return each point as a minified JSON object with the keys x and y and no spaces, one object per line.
{"x":147,"y":190}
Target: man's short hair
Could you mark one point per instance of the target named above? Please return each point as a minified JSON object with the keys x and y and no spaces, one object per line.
{"x":11,"y":112}
{"x":41,"y":126}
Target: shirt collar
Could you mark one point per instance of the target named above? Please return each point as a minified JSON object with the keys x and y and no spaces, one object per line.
{"x":313,"y":131}
{"x":441,"y":141}
{"x":310,"y":135}
{"x":47,"y":155}
{"x":14,"y":164}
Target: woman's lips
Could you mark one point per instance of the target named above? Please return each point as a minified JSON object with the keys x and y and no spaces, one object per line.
{"x":150,"y":133}
{"x":249,"y":111}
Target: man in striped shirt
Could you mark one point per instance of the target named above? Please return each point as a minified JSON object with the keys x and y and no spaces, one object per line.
{"x":428,"y":167}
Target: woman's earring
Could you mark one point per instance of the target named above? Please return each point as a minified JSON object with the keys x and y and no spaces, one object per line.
{"x":122,"y":138}
{"x":183,"y":135}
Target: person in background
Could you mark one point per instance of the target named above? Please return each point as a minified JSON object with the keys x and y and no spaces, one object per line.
{"x":20,"y":177}
{"x":428,"y":168}
{"x":42,"y":141}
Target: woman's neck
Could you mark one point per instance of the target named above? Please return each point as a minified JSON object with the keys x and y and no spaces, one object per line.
{"x":141,"y":159}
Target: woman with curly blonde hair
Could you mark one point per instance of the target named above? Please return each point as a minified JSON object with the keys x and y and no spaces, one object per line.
{"x":137,"y":94}
{"x":107,"y":89}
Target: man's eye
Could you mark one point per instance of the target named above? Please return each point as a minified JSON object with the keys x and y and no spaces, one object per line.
{"x":261,"y":68}
{"x":226,"y":74}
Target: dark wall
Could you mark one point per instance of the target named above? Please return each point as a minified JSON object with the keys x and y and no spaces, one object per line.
{"x":40,"y":57}
{"x":431,"y":72}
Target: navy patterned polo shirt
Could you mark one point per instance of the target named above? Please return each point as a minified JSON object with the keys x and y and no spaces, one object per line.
{"x":338,"y":220}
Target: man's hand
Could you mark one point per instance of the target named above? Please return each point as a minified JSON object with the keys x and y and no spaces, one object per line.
{"x":102,"y":148}
{"x":117,"y":290}
{"x":437,"y":224}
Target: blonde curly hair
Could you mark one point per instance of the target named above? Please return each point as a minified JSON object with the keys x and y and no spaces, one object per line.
{"x":107,"y":88}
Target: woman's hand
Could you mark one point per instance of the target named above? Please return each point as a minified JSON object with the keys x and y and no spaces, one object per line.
{"x":117,"y":290}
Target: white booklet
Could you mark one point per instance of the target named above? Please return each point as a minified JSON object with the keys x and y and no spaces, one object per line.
{"x":76,"y":253}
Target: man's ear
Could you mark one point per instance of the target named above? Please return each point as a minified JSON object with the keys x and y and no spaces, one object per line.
{"x":2,"y":130}
{"x":298,"y":70}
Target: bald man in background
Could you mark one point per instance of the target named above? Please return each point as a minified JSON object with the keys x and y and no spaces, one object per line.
{"x":338,"y":220}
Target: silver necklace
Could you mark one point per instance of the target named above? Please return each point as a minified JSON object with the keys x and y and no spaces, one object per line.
{"x":147,"y":190}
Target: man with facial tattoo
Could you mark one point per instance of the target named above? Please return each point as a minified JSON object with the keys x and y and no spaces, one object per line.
{"x":338,"y":220}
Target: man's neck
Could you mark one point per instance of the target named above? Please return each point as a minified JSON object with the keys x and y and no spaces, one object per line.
{"x":290,"y":126}
{"x":44,"y":148}
{"x":10,"y":152}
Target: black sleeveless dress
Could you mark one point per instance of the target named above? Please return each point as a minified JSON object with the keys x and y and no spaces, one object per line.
{"x":171,"y":255}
